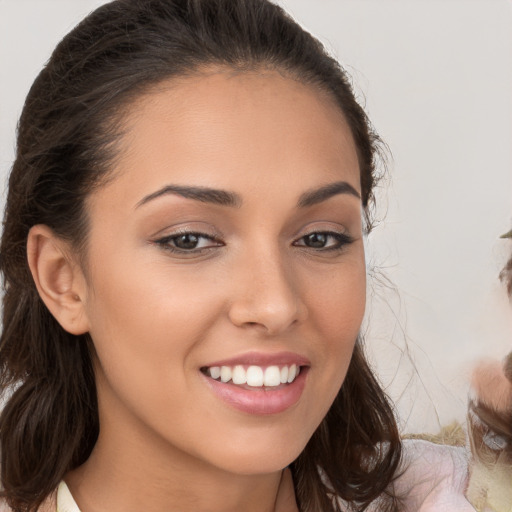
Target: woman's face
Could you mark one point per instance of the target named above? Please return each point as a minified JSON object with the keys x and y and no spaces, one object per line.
{"x":227,"y":247}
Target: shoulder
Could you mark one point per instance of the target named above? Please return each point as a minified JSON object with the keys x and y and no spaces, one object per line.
{"x":448,"y":460}
{"x":433,"y":477}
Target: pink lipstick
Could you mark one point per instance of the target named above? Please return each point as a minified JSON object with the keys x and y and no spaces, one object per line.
{"x":258,"y":383}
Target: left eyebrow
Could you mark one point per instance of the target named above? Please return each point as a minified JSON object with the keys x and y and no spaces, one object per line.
{"x":202,"y":194}
{"x":318,"y":195}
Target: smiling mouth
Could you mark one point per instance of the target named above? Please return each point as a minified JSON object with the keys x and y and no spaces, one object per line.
{"x":271,"y":377}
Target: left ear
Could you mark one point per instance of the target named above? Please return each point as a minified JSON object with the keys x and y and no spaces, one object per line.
{"x":59,"y":280}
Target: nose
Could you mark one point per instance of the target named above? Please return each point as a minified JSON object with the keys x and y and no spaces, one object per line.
{"x":267,"y":296}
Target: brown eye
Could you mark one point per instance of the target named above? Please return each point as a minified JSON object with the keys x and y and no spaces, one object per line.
{"x":316,"y":240}
{"x":324,"y":241}
{"x":187,"y":241}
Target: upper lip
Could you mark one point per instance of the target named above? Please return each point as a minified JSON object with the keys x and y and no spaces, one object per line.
{"x":263,"y":359}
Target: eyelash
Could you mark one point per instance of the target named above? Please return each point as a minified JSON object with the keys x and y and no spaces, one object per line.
{"x":341,"y":240}
{"x":167,"y":241}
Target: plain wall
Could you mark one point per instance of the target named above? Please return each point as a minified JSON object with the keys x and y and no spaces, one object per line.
{"x":435,"y":77}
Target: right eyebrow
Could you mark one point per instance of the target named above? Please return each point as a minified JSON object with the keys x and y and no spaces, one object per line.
{"x":203,"y":194}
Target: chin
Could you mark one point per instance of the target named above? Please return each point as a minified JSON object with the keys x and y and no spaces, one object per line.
{"x":259,"y":465}
{"x":260,"y":457}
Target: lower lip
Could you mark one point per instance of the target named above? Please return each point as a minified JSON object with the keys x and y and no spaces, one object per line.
{"x":260,"y":400}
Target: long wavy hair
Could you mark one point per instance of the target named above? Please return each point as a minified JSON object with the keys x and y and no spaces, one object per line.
{"x":67,"y":134}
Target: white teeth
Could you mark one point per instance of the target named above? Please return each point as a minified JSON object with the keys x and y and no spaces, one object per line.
{"x":239,"y":375}
{"x":255,"y":376}
{"x":225,"y":374}
{"x":272,"y":376}
{"x":292,"y":373}
{"x":214,"y":372}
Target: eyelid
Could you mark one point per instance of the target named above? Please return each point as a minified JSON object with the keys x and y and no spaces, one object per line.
{"x":339,"y":233}
{"x":177,"y":234}
{"x":188,"y":227}
{"x":165,"y":241}
{"x":328,"y":227}
{"x":323,"y":229}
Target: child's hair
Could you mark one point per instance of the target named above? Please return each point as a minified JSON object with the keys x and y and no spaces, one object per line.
{"x":67,"y":141}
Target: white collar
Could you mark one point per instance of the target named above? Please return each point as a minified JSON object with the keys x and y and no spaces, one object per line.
{"x":65,"y":501}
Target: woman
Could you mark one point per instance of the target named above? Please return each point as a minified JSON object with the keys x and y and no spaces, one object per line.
{"x":184,"y":272}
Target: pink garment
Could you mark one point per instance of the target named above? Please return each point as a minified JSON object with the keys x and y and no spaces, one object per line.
{"x":434,"y":478}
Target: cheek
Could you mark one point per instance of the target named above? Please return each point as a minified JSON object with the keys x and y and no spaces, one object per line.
{"x":336,"y":312}
{"x":337,"y":301}
{"x":492,"y":387}
{"x":146,"y":326}
{"x":137,"y":304}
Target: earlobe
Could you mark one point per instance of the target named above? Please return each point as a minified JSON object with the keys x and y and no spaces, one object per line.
{"x":59,"y":281}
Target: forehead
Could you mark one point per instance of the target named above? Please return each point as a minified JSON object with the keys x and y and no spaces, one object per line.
{"x":223,"y":128}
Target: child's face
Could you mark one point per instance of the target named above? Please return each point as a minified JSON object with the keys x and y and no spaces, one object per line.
{"x":182,"y":280}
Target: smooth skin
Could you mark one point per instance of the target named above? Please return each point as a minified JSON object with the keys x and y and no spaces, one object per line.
{"x":172,"y":284}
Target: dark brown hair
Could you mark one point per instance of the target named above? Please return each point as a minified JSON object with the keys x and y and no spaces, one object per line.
{"x":67,"y":135}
